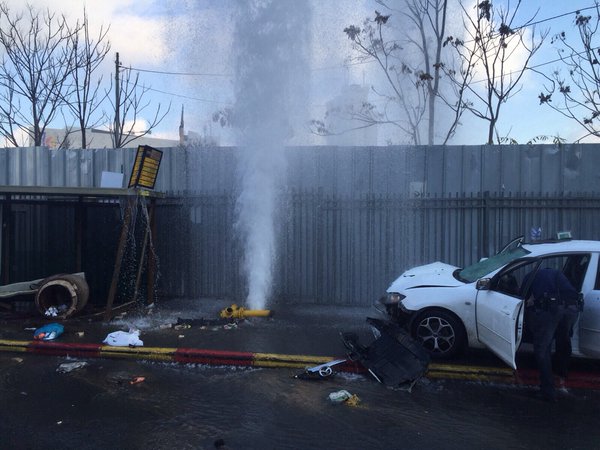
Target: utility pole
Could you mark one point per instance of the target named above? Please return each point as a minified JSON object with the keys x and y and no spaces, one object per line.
{"x":117,"y":127}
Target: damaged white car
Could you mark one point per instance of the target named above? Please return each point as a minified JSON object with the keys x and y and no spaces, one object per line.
{"x":449,"y":308}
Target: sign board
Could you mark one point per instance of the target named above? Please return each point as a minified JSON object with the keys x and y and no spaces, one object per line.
{"x":145,"y":167}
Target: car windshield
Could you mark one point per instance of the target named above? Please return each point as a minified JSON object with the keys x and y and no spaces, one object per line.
{"x":476,"y":271}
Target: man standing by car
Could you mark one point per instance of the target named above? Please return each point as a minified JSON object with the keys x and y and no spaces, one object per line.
{"x":552,"y":310}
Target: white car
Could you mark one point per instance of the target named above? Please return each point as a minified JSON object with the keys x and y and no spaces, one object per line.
{"x":448,"y":308}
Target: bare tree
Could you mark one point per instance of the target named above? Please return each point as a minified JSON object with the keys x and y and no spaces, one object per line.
{"x":404,"y":103}
{"x":128,"y":105}
{"x":426,"y":33}
{"x":577,"y":94}
{"x":500,"y":51}
{"x":34,"y":74}
{"x":408,"y":47}
{"x":85,"y":96}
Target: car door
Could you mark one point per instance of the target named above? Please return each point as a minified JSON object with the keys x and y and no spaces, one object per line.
{"x":499,"y":311}
{"x":589,"y":321}
{"x":500,"y":323}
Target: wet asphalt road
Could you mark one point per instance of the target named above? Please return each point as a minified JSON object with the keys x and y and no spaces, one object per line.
{"x":192,"y":406}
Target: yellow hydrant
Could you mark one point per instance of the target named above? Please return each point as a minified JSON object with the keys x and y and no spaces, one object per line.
{"x":236,"y":312}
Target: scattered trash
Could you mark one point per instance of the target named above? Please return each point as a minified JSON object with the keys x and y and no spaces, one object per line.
{"x":182,"y":326}
{"x":59,"y":422}
{"x":49,"y":332}
{"x":54,"y":311}
{"x":230,"y":326}
{"x":339,"y":396}
{"x":80,"y":333}
{"x":124,"y":339}
{"x":71,"y":366}
{"x":394,"y":358}
{"x":353,"y":401}
{"x":137,"y":380}
{"x":320,"y":372}
{"x":17,"y":360}
{"x":181,"y":336}
{"x":165,"y":326}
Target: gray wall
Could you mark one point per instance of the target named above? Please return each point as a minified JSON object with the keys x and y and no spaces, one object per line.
{"x":352,"y":171}
{"x":354,"y":217}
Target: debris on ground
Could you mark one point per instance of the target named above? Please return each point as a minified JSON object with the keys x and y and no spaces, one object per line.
{"x":137,"y":380}
{"x":80,"y":333}
{"x":182,"y":326}
{"x":339,"y":396}
{"x":320,"y":372}
{"x":393,"y":359}
{"x":124,"y":339}
{"x":71,"y":366}
{"x":353,"y":400}
{"x":17,"y":360}
{"x":49,"y":332}
{"x":344,"y":396}
{"x":54,"y":311}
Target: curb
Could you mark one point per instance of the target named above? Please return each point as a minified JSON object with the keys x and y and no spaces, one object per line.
{"x":523,"y":377}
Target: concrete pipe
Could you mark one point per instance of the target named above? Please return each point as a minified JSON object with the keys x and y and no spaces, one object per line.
{"x":62,"y":295}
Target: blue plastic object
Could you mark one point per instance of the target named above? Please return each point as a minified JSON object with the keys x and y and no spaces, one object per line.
{"x":49,"y":332}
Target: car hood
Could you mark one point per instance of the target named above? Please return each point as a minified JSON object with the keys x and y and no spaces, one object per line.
{"x":430,"y":275}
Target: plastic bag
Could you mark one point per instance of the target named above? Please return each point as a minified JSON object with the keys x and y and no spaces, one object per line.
{"x":49,"y":332}
{"x":124,"y":339}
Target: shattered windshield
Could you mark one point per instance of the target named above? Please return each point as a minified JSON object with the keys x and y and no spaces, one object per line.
{"x":482,"y":268}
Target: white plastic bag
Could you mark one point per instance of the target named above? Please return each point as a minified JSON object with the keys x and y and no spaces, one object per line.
{"x":124,"y":339}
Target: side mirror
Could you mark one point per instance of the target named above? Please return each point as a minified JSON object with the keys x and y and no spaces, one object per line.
{"x":483,"y":284}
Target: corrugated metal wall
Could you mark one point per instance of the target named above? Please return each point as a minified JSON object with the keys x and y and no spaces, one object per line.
{"x":348,"y":171}
{"x":351,"y":218}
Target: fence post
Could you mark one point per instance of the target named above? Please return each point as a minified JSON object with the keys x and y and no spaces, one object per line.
{"x":485,"y":235}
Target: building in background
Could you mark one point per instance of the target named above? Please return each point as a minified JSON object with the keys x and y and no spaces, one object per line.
{"x":54,"y":138}
{"x":346,"y":129}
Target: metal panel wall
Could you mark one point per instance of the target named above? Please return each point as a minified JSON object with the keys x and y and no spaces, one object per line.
{"x":352,"y":218}
{"x":347,"y":171}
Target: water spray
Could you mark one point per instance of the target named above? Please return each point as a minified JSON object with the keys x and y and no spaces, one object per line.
{"x":270,"y":40}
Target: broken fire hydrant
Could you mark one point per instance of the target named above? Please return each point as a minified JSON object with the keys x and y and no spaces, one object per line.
{"x":236,"y":312}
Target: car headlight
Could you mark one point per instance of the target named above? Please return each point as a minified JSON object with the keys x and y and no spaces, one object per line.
{"x":392,"y":298}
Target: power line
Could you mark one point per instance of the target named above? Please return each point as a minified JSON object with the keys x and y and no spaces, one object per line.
{"x":200,"y":74}
{"x":556,"y":17}
{"x":191,"y":74}
{"x":217,"y":102}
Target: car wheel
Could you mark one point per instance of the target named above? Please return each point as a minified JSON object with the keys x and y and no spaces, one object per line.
{"x":440,"y":332}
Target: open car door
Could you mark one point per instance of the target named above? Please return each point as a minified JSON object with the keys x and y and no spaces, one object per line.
{"x":500,"y":323}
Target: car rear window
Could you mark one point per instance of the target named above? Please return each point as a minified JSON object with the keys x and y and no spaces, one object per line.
{"x":476,"y":271}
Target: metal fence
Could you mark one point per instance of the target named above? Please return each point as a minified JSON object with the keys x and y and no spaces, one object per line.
{"x":342,"y":250}
{"x":352,"y":218}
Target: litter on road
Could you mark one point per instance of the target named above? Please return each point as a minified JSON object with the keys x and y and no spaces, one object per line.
{"x":71,"y":366}
{"x":49,"y":332}
{"x":124,"y":339}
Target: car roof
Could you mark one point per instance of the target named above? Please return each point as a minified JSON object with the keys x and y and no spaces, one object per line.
{"x":563,"y":246}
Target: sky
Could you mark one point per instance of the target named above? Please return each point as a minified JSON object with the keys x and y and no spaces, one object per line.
{"x":184,"y":51}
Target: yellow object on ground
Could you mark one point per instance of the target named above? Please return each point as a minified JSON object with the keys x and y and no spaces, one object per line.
{"x":236,"y":312}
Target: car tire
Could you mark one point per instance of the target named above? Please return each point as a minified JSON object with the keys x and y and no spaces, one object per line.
{"x":441,"y":333}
